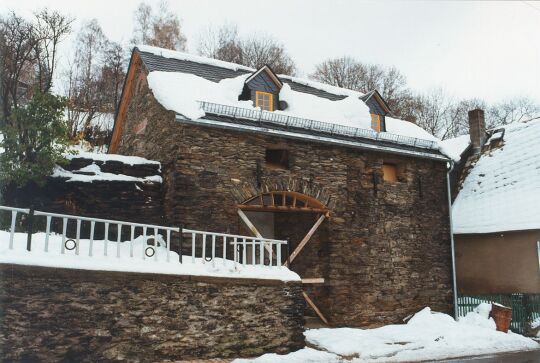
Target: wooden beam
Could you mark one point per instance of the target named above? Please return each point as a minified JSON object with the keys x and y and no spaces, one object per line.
{"x":315,"y":308}
{"x":305,"y":240}
{"x":124,"y":102}
{"x":280,"y":208}
{"x":253,"y":229}
{"x":313,"y":280}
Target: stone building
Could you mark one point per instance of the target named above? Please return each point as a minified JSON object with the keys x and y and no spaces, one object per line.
{"x":360,"y":196}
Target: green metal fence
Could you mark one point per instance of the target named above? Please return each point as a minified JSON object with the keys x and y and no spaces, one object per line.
{"x":525,"y":307}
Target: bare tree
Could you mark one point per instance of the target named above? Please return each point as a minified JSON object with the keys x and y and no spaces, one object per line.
{"x":50,"y":28}
{"x":94,"y":81}
{"x":17,"y":54}
{"x":432,"y":114}
{"x":113,"y":71}
{"x":161,"y":30}
{"x":390,"y":82}
{"x":260,"y":50}
{"x":28,"y":55}
{"x":512,"y":110}
{"x":256,"y":51}
{"x":222,"y":43}
{"x":342,"y":72}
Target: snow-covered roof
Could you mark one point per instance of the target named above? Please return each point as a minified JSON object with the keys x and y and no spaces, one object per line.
{"x":456,"y":147}
{"x":182,"y":87}
{"x":502,"y":190}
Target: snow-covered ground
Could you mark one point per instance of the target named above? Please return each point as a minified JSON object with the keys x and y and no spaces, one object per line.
{"x":426,"y":336}
{"x":98,"y":260}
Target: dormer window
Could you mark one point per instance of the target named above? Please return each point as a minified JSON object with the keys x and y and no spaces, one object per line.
{"x":378,"y":123}
{"x":378,"y":108}
{"x":264,"y":100}
{"x":262,"y":88}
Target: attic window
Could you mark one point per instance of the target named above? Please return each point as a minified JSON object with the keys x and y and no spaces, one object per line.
{"x":389,"y":173}
{"x":378,"y":123}
{"x":277,"y":158}
{"x":264,"y":100}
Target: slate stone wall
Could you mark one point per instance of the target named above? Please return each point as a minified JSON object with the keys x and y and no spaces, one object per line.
{"x":63,"y":315}
{"x":385,"y":250}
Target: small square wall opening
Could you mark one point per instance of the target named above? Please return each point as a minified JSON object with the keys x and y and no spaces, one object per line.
{"x":390,"y":173}
{"x":277,"y":158}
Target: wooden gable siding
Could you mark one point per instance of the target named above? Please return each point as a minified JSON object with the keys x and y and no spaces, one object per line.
{"x":375,"y":107}
{"x":263,"y":82}
{"x":127,"y":91}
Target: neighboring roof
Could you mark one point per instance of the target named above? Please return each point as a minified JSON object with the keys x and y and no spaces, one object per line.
{"x":457,"y":146}
{"x":197,"y":79}
{"x":502,"y":190}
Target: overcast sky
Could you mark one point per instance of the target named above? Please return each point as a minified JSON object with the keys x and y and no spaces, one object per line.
{"x":489,"y":50}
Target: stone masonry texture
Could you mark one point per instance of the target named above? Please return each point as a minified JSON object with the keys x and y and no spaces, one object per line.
{"x":384,"y":252}
{"x":64,"y":315}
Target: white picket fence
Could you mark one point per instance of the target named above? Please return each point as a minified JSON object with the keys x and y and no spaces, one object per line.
{"x":205,"y":246}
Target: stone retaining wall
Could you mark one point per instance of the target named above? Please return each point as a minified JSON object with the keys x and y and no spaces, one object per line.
{"x":67,"y":315}
{"x":126,"y":200}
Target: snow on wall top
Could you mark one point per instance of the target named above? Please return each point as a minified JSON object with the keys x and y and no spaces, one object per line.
{"x":129,"y":160}
{"x":180,"y":92}
{"x":502,"y":191}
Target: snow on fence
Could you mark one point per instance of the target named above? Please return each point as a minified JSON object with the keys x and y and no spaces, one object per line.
{"x":245,"y":250}
{"x":91,"y":237}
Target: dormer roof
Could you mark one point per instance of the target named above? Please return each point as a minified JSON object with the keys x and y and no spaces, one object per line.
{"x":374,"y":96}
{"x":271,"y":74}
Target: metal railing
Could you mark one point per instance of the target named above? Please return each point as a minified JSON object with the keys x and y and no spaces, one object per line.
{"x":244,"y":250}
{"x":292,"y":122}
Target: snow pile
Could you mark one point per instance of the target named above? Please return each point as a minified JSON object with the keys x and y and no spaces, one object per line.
{"x":180,"y":92}
{"x":306,"y":355}
{"x":427,"y":336}
{"x":322,"y":86}
{"x":93,"y":172}
{"x":502,"y":191}
{"x":456,"y":146}
{"x":98,"y":261}
{"x":480,"y":317}
{"x":350,"y":111}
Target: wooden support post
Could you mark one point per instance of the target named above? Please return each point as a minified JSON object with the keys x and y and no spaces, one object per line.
{"x":315,"y":308}
{"x":305,"y":239}
{"x":314,"y":280}
{"x":253,"y":229}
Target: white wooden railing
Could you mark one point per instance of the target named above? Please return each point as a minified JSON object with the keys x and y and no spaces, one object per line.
{"x":149,"y":232}
{"x":245,"y":250}
{"x":147,"y":251}
{"x":205,"y":246}
{"x":14,"y":212}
